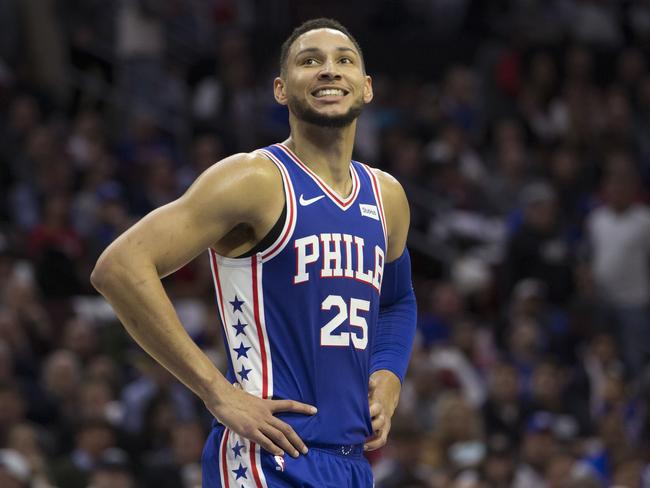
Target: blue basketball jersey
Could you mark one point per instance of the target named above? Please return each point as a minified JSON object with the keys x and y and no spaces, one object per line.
{"x":299,"y":317}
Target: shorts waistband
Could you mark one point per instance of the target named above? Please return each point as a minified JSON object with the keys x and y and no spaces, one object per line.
{"x":345,"y":450}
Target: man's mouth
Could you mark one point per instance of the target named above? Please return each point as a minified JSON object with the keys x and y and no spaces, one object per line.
{"x":329,"y":92}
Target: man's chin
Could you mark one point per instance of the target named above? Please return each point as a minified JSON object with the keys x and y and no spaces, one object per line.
{"x":327,"y":120}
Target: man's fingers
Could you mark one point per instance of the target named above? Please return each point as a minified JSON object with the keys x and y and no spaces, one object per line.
{"x":375,"y":409}
{"x":375,"y":442}
{"x":267,"y":444}
{"x":373,"y":445}
{"x":292,"y":406}
{"x":290,"y":434}
{"x":278,"y":439}
{"x":378,"y":423}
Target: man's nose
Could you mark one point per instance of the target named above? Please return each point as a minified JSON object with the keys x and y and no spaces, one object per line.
{"x":329,"y":71}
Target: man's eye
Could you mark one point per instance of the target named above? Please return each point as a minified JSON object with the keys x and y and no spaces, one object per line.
{"x":346,"y":60}
{"x":309,"y":61}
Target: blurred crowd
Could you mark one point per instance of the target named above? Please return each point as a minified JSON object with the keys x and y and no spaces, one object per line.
{"x":521,"y":133}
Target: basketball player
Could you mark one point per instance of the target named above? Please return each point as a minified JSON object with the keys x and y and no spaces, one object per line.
{"x":312,"y":281}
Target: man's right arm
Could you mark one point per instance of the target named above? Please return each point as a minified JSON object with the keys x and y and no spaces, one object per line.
{"x":129,"y":274}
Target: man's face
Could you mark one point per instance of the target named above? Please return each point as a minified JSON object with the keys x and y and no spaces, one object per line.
{"x":324,"y":83}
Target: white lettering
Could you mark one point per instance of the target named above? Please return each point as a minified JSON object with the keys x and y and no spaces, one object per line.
{"x":303,"y":258}
{"x":366,"y":277}
{"x":379,"y":268}
{"x":347,"y":238}
{"x":331,"y":255}
{"x":309,"y":250}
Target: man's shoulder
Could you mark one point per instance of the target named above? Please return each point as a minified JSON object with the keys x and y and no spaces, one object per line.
{"x":390,"y":187}
{"x":246,"y":183}
{"x":254,"y":161}
{"x":251,"y":168}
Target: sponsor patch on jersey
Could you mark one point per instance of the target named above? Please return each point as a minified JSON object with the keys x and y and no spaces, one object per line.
{"x":369,"y":211}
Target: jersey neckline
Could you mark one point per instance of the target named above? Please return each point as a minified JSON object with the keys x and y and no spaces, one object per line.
{"x":342,"y":203}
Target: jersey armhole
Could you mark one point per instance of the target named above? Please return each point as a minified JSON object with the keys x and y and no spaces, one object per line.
{"x":274,"y":241}
{"x":290,"y":210}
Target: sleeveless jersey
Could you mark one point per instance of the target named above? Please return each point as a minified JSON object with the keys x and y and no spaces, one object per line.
{"x":299,"y":317}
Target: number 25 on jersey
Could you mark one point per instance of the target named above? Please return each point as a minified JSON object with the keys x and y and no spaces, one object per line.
{"x":359,"y":337}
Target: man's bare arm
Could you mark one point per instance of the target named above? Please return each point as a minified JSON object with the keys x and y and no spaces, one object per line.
{"x":129,"y":274}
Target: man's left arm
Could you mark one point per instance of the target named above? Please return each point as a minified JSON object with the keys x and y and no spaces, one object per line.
{"x":393,"y":341}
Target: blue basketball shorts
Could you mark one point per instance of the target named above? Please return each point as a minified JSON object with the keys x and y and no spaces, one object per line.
{"x":230,"y":461}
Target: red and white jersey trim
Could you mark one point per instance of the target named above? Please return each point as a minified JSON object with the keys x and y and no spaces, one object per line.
{"x":376,"y":189}
{"x":290,"y":201}
{"x":241,"y":307}
{"x":240,"y":463}
{"x":342,"y":203}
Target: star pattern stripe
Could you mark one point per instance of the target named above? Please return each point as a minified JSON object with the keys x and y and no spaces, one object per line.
{"x":237,"y":448}
{"x":240,"y":472}
{"x":239,"y":327}
{"x":243,"y":373}
{"x":242,"y":351}
{"x":236,"y":304}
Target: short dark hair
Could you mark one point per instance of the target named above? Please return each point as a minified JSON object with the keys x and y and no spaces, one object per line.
{"x":310,"y":25}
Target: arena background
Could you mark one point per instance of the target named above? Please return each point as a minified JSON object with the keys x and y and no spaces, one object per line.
{"x":521,"y":132}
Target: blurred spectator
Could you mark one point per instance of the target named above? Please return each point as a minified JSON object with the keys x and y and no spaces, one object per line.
{"x":56,"y":248}
{"x":435,"y":326}
{"x":571,"y":180}
{"x":458,"y":362}
{"x":551,"y":393}
{"x":525,"y":346}
{"x":153,"y":401}
{"x":459,"y":433}
{"x":632,"y":473}
{"x":538,"y":249}
{"x":405,"y":457}
{"x":180,"y":465}
{"x":12,"y":407}
{"x":504,"y":411}
{"x":139,"y":49}
{"x":24,"y":439}
{"x":61,"y":380}
{"x":81,"y":338}
{"x":500,"y":463}
{"x":44,"y":45}
{"x":92,"y":438}
{"x":544,"y":112}
{"x":597,"y":22}
{"x":511,"y":166}
{"x":14,"y":470}
{"x":113,"y":470}
{"x":600,"y":359}
{"x":207,"y":149}
{"x":97,"y":400}
{"x":623,"y":278}
{"x":537,"y":448}
{"x":564,"y":470}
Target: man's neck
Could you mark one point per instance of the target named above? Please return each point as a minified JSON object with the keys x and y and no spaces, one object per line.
{"x":327,"y":152}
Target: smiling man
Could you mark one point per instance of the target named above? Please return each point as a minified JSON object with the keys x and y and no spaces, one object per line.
{"x":312,"y":279}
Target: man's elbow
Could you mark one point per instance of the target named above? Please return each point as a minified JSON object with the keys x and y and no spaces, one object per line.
{"x":106,"y":271}
{"x":100,"y":274}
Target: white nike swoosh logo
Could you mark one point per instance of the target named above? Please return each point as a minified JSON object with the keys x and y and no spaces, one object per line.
{"x":309,"y":201}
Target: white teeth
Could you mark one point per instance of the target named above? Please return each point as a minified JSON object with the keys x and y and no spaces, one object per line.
{"x":327,"y":92}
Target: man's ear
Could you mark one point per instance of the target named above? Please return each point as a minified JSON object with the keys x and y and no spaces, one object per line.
{"x":367,"y":90}
{"x":280,"y":91}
